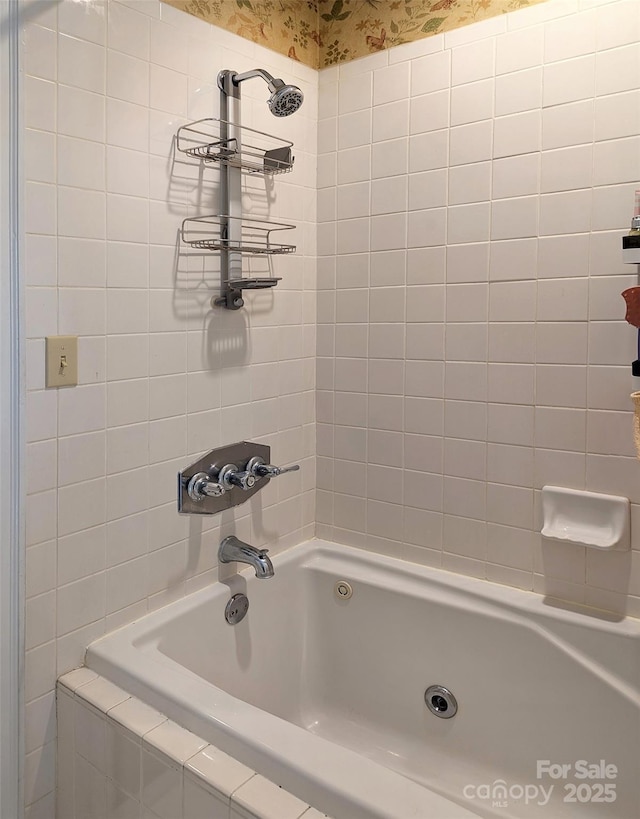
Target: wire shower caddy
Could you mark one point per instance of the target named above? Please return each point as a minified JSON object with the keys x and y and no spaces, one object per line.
{"x":235,"y":149}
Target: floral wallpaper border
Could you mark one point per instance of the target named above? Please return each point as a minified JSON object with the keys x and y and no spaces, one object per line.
{"x":320,"y":33}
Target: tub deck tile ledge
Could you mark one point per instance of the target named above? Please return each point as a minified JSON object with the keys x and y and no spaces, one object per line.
{"x":174,"y":742}
{"x":221,"y":782}
{"x":102,"y":694}
{"x":216,"y":768}
{"x":137,"y":717}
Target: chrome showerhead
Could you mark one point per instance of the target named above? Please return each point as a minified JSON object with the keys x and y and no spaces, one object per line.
{"x":284,"y":100}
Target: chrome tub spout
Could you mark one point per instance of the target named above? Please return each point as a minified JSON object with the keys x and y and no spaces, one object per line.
{"x":232,"y":549}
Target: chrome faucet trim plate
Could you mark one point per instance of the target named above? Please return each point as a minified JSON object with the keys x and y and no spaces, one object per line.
{"x":226,"y":477}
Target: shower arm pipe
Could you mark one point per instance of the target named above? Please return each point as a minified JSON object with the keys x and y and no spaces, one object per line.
{"x":271,"y":81}
{"x":230,"y":193}
{"x":255,"y":72}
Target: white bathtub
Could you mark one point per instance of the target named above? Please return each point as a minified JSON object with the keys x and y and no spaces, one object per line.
{"x":325,"y":696}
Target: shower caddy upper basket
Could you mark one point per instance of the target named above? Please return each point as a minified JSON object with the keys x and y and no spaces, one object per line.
{"x":252,"y":151}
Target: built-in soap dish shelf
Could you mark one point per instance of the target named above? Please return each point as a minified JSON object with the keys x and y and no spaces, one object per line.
{"x":259,"y":152}
{"x":586,"y":518}
{"x":220,"y":232}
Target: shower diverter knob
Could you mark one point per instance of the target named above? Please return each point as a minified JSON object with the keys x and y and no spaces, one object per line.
{"x":260,"y":469}
{"x":229,"y":476}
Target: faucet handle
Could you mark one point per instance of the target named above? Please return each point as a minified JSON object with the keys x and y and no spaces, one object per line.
{"x":229,"y":476}
{"x":201,"y":486}
{"x":260,"y":469}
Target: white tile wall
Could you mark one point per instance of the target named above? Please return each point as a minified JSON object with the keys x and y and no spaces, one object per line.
{"x":498,"y":361}
{"x":472,"y":190}
{"x":162,"y":377}
{"x":117,"y":757}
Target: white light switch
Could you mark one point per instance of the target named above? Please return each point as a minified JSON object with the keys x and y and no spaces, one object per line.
{"x":62,"y":361}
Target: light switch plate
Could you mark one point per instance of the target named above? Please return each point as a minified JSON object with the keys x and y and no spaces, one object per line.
{"x":62,"y":361}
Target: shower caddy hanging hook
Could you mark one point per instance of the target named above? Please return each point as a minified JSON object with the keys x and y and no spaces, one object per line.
{"x":222,"y":141}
